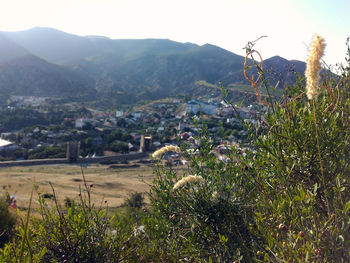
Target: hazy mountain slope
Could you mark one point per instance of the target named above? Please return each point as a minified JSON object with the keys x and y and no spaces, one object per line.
{"x":118,"y":54}
{"x":282,"y":70}
{"x":277,"y":70}
{"x":33,"y":76}
{"x":53,"y":45}
{"x":10,"y":50}
{"x":128,"y":70}
{"x":167,"y":71}
{"x":59,"y":47}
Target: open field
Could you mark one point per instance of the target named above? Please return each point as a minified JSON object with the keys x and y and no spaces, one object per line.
{"x":110,"y":184}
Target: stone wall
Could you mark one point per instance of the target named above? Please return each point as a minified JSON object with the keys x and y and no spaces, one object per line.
{"x":115,"y":158}
{"x":34,"y":162}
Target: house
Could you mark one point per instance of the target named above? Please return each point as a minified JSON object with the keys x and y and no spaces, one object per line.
{"x":113,"y":120}
{"x":81,"y":122}
{"x":5,"y":134}
{"x":7,"y":145}
{"x":119,"y":113}
{"x":136,"y":115}
{"x":195,"y":106}
{"x":4,"y":143}
{"x":131,"y":147}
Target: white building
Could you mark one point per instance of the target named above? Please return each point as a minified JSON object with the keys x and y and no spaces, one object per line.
{"x":119,"y":113}
{"x":136,"y":115}
{"x":195,"y":106}
{"x":7,"y":145}
{"x":81,"y":122}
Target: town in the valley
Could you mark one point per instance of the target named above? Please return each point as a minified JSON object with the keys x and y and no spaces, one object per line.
{"x":48,"y":127}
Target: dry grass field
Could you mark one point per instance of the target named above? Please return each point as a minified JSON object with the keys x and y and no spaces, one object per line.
{"x":108,"y":183}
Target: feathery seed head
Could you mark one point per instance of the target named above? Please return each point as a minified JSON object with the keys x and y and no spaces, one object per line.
{"x":165,"y":149}
{"x":313,"y":66}
{"x":188,"y":179}
{"x":215,"y":195}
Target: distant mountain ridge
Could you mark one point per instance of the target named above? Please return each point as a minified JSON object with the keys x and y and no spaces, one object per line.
{"x":10,"y":50}
{"x":48,"y":62}
{"x":31,"y":76}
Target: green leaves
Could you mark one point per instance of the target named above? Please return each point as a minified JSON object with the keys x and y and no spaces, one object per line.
{"x":223,"y":239}
{"x":295,"y":189}
{"x":347,"y":207}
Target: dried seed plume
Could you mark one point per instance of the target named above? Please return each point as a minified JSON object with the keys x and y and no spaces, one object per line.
{"x":313,"y":66}
{"x":188,"y":179}
{"x":165,"y":149}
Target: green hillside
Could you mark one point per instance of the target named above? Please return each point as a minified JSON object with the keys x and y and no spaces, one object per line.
{"x":122,"y":71}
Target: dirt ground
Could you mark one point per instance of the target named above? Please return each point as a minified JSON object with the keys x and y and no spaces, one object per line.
{"x":108,"y":182}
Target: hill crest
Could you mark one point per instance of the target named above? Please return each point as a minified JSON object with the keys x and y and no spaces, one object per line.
{"x":121,"y":68}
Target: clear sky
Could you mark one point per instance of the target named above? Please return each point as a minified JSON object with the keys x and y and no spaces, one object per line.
{"x":289,"y":24}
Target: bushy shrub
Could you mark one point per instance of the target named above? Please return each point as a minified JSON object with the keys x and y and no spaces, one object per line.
{"x":204,"y":210}
{"x":77,"y":233}
{"x":121,"y":147}
{"x":7,"y":220}
{"x":301,"y":174}
{"x":135,"y":200}
{"x":286,"y":200}
{"x":45,"y":152}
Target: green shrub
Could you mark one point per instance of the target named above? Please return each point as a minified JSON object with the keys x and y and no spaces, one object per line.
{"x":300,"y":173}
{"x":286,"y":200}
{"x":207,"y":219}
{"x":7,"y":220}
{"x":135,"y":200}
{"x":78,"y":233}
{"x":45,"y":152}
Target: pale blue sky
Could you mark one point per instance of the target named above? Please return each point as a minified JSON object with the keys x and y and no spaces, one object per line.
{"x":289,"y":24}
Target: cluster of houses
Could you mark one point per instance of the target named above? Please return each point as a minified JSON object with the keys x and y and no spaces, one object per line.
{"x":154,"y":118}
{"x":23,"y":101}
{"x":157,"y":116}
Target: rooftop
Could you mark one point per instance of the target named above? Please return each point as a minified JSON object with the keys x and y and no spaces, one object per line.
{"x":4,"y":143}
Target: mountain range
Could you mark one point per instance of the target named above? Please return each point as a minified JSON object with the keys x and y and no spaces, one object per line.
{"x":50,"y":63}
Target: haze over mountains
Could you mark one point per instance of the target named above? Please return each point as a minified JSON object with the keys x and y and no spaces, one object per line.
{"x":48,"y":62}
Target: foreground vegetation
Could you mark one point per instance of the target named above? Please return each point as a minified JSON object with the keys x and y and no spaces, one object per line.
{"x":285,"y":200}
